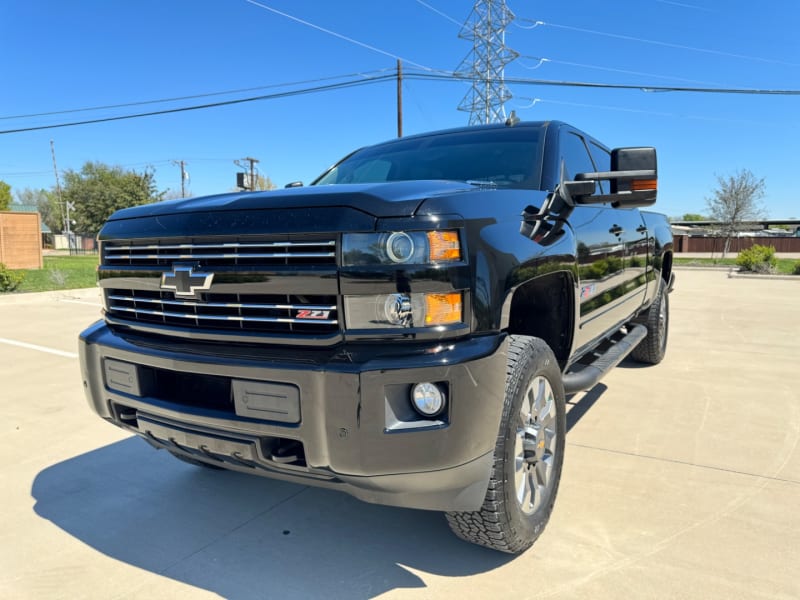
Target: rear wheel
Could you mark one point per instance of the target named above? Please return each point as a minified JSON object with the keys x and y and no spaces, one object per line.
{"x":651,"y":350}
{"x":528,"y":456}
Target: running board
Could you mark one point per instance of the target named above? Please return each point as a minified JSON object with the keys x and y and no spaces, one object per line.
{"x":587,"y":378}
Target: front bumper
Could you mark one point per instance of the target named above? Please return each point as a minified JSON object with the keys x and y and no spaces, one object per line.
{"x":348,"y":419}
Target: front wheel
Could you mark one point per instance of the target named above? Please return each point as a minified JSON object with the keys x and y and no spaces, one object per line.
{"x":528,"y":457}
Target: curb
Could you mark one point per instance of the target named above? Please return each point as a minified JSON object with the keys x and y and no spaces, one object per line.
{"x":92,"y":293}
{"x":734,"y":273}
{"x":717,"y":269}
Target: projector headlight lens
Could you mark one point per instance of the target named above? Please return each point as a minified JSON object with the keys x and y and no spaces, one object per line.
{"x":400,"y":247}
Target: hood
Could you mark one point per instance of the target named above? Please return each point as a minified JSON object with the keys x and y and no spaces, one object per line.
{"x":396,"y":199}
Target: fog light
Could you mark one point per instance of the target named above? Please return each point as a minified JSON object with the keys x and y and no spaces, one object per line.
{"x":428,"y":399}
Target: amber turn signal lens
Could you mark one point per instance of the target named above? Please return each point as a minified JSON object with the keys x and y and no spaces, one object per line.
{"x":640,"y":185}
{"x":444,"y":246}
{"x":442,"y":309}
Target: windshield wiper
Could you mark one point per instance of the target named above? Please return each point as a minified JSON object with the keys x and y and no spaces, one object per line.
{"x":482,"y":182}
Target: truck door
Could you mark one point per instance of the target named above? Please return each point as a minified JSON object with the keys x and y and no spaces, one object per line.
{"x":609,"y":241}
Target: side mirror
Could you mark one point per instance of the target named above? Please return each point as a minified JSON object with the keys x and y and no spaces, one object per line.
{"x":633,"y":178}
{"x":294,"y":184}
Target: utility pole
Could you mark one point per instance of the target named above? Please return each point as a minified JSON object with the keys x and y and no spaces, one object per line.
{"x":252,"y":162}
{"x":399,"y":98}
{"x":58,"y":192}
{"x":184,"y":175}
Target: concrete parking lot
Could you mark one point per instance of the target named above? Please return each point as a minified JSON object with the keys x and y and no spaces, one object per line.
{"x":680,"y":481}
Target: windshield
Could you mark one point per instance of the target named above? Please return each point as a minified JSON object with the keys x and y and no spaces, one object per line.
{"x":506,"y":157}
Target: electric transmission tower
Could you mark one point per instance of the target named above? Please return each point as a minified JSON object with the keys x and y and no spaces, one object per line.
{"x":485,"y":65}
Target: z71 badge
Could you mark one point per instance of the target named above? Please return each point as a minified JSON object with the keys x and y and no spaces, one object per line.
{"x":312,"y":314}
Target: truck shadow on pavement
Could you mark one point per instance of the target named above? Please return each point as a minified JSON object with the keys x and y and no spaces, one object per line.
{"x":579,"y":404}
{"x":243,"y":536}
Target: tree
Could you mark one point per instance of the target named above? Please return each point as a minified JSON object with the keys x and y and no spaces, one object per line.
{"x":693,"y":217}
{"x":736,"y":201}
{"x":5,"y":195}
{"x":98,"y":190}
{"x":263,"y":183}
{"x":47,"y":204}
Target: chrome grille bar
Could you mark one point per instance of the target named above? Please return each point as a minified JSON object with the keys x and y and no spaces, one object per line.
{"x":232,"y":255}
{"x":224,"y":304}
{"x":202,"y":317}
{"x":324,"y":250}
{"x":268,"y":313}
{"x":222,"y":245}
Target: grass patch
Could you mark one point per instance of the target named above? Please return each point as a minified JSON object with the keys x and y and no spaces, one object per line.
{"x":61,"y":273}
{"x":785,"y":266}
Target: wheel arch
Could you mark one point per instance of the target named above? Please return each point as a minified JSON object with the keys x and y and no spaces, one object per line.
{"x":544,"y":307}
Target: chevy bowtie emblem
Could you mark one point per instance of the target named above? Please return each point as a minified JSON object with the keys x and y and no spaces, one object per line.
{"x":185,"y":281}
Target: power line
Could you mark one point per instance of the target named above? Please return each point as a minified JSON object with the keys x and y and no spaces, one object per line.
{"x":423,"y":76}
{"x":543,"y":60}
{"x":614,"y":86}
{"x":321,"y":88}
{"x":657,"y":42}
{"x":685,"y":5}
{"x":534,"y":101}
{"x":194,"y":96}
{"x":336,"y":35}
{"x":438,"y":12}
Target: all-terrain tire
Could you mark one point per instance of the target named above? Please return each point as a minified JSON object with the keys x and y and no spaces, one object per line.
{"x":651,"y":349}
{"x":528,"y":456}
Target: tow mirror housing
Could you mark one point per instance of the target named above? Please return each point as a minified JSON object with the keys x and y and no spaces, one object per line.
{"x":633,"y":178}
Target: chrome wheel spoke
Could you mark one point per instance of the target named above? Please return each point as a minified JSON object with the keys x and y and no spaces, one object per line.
{"x":549,"y":441}
{"x":524,"y":491}
{"x":535,"y":444}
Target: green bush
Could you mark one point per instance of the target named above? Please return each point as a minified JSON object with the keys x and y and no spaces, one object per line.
{"x":758,"y":259}
{"x":9,"y":280}
{"x":796,"y":270}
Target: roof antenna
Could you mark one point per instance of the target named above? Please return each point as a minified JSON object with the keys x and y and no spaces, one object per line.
{"x":512,"y":119}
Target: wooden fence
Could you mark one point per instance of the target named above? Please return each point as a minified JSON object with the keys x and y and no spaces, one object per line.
{"x":684,"y":243}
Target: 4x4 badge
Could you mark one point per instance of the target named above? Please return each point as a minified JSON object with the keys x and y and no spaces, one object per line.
{"x":185,"y":281}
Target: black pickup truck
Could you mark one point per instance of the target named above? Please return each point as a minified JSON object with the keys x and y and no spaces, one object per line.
{"x":404,"y":329}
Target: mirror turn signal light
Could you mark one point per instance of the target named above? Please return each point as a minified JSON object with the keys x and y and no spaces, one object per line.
{"x":641,"y":185}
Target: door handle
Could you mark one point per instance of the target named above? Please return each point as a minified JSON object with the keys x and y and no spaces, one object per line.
{"x":616,"y":230}
{"x":641,"y":229}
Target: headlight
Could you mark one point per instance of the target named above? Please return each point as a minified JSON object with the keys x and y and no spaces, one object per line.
{"x":400,"y":247}
{"x":402,"y":310}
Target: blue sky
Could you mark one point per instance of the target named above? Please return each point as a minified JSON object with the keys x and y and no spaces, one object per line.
{"x":58,"y":56}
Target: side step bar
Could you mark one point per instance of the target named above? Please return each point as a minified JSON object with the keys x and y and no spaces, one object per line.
{"x":587,"y":378}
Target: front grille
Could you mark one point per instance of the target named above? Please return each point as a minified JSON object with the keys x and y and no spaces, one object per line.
{"x":210,"y":253}
{"x":268,"y":313}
